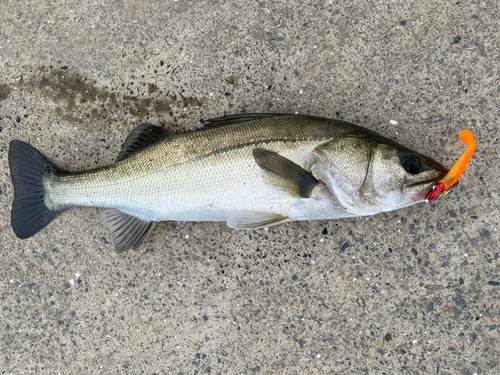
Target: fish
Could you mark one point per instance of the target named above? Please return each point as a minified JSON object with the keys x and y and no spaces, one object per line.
{"x":249,"y":170}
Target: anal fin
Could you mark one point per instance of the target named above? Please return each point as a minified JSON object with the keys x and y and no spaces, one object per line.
{"x":128,"y":232}
{"x":254,"y":220}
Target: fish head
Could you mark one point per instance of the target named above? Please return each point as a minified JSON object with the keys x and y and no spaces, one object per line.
{"x":368,"y":175}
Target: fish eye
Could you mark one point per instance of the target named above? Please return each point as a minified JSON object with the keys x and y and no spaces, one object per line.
{"x":411,"y":163}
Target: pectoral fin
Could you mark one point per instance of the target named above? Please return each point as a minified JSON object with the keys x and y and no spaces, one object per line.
{"x":284,"y":175}
{"x":254,"y":220}
{"x":128,"y":232}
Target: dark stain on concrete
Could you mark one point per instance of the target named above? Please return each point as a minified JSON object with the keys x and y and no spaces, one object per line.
{"x":81,"y":98}
{"x":152,"y":88}
{"x":232,"y":80}
{"x":4,"y":91}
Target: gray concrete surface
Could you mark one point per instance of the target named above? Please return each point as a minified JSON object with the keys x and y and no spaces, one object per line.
{"x":414,"y":291}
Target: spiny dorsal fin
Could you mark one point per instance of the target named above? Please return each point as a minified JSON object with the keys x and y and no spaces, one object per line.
{"x":142,"y":136}
{"x":254,"y":220}
{"x":284,"y":175}
{"x":234,"y":119}
{"x":128,"y":232}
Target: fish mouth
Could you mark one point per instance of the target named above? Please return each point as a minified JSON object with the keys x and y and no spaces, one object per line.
{"x":419,"y":190}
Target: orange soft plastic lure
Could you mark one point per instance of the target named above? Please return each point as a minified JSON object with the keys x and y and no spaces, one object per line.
{"x":456,"y":171}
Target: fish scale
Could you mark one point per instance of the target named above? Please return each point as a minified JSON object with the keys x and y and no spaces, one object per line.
{"x":171,"y":181}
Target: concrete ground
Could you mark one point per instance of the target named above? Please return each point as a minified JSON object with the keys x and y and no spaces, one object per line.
{"x":414,"y":291}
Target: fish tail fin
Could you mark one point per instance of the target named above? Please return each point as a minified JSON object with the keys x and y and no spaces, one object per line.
{"x":30,"y":213}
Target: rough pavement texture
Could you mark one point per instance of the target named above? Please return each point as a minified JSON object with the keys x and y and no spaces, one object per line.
{"x":413,"y":291}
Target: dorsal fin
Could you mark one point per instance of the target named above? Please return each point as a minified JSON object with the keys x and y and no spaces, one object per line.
{"x":142,"y":136}
{"x":234,"y":119}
